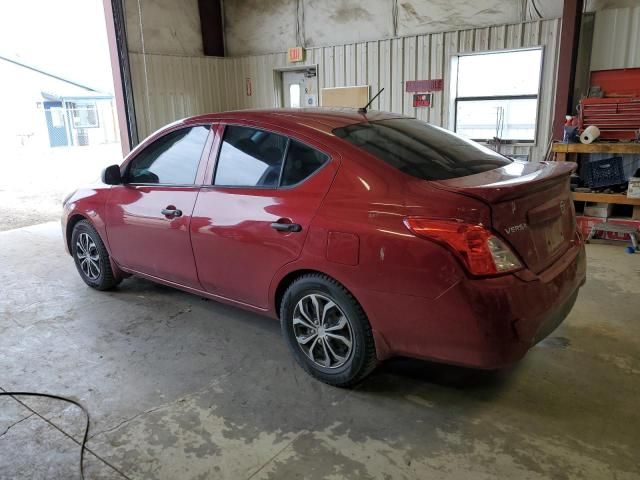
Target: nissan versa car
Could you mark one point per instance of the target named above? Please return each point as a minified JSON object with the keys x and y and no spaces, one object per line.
{"x":369,"y":235}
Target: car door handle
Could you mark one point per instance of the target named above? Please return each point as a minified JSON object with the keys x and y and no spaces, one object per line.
{"x":286,"y":227}
{"x":171,"y":212}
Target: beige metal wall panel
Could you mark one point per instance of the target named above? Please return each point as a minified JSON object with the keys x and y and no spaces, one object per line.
{"x":616,"y":39}
{"x":385,"y":67}
{"x":423,"y":69}
{"x":361,"y":64}
{"x":389,"y":63}
{"x":437,"y":61}
{"x":328,"y":66}
{"x":167,"y":88}
{"x":451,"y":48}
{"x":340,"y":67}
{"x":550,"y":37}
{"x":182,"y":86}
{"x":410,"y":64}
{"x":498,"y":37}
{"x":373,"y":59}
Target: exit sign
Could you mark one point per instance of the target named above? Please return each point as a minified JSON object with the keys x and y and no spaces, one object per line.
{"x":296,"y":54}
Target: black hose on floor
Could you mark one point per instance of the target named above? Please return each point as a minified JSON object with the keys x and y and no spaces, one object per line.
{"x":64,"y":399}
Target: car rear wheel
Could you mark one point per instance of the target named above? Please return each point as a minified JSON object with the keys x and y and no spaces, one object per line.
{"x":327,"y":331}
{"x":91,"y":257}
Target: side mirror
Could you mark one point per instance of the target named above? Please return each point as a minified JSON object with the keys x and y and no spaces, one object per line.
{"x":111,"y":175}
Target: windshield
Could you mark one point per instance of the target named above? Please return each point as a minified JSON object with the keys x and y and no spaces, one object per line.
{"x":422,"y":150}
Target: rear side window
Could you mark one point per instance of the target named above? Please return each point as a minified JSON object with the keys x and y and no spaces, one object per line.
{"x":250,"y":158}
{"x":302,"y":161}
{"x":421,"y":150}
{"x":172,"y":159}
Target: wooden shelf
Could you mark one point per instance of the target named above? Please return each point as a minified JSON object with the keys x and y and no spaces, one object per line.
{"x":597,"y":147}
{"x":570,"y":151}
{"x":616,"y":198}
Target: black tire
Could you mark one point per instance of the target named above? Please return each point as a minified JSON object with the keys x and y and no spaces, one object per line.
{"x":349,"y":367}
{"x":85,"y":238}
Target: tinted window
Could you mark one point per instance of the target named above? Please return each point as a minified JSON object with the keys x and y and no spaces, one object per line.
{"x":301,"y":162}
{"x":420,"y":149}
{"x":250,"y":158}
{"x":172,"y":159}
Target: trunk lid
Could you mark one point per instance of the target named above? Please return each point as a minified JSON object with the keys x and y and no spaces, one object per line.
{"x":531,"y":207}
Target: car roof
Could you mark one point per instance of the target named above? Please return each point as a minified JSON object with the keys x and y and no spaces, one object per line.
{"x":319,"y":118}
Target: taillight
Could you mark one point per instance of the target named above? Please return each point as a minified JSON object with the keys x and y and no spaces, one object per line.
{"x":480,"y":250}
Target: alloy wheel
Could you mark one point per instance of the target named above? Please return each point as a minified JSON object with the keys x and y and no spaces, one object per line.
{"x":88,"y":256}
{"x":322,"y":331}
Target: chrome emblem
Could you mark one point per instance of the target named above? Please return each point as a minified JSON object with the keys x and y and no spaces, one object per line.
{"x":521,"y":227}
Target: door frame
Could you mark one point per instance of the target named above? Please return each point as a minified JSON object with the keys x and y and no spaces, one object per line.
{"x":277,"y":81}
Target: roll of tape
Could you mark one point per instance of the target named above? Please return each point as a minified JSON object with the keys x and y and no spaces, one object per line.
{"x":589,"y":134}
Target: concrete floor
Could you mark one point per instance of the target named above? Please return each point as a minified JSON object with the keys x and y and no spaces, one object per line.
{"x":183,"y":388}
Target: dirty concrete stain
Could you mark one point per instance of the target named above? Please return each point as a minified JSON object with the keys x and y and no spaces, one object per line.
{"x":260,"y":7}
{"x":449,"y":455}
{"x":420,"y":401}
{"x":556,"y":342}
{"x":186,"y":433}
{"x":624,"y":362}
{"x":350,"y":14}
{"x":443,"y":15}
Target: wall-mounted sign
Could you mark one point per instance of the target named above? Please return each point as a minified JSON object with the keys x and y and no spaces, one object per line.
{"x":296,"y":54}
{"x":421,"y":99}
{"x":424,"y":85}
{"x":248,"y":86}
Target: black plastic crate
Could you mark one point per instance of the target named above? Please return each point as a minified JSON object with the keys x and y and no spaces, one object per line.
{"x":605,"y":173}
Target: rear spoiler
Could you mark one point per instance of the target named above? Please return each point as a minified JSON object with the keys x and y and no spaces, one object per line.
{"x":500,"y":184}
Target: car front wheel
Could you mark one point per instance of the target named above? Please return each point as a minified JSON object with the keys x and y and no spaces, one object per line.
{"x":91,"y":257}
{"x":327,"y":331}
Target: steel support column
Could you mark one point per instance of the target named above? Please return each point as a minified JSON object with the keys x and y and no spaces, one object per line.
{"x":569,"y":37}
{"x":121,"y":72}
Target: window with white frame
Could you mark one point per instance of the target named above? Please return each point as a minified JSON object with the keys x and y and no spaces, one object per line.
{"x":497,"y":95}
{"x":84,"y":115}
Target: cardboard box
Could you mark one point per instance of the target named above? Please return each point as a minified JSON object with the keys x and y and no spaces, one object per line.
{"x":600,"y":210}
{"x":634,"y":187}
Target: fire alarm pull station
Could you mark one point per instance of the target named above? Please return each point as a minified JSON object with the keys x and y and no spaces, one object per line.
{"x":422,"y":100}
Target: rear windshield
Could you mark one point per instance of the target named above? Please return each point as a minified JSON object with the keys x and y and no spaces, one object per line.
{"x":421,"y":150}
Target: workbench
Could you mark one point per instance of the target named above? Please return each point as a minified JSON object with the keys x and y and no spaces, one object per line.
{"x":570,"y":151}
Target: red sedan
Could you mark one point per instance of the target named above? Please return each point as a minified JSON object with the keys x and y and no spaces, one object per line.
{"x":368,"y":235}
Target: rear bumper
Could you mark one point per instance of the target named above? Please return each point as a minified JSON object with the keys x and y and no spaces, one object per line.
{"x":489,"y":323}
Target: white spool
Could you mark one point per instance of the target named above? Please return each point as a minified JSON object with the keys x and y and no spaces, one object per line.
{"x":589,"y":134}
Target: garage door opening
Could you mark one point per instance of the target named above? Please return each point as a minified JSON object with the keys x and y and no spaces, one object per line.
{"x":60,"y":125}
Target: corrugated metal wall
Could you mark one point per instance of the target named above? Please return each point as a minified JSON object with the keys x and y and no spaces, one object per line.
{"x":616,"y":39}
{"x":182,"y":86}
{"x":174,"y":87}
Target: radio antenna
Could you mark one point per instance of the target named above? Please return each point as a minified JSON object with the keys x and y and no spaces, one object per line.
{"x":364,"y":109}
